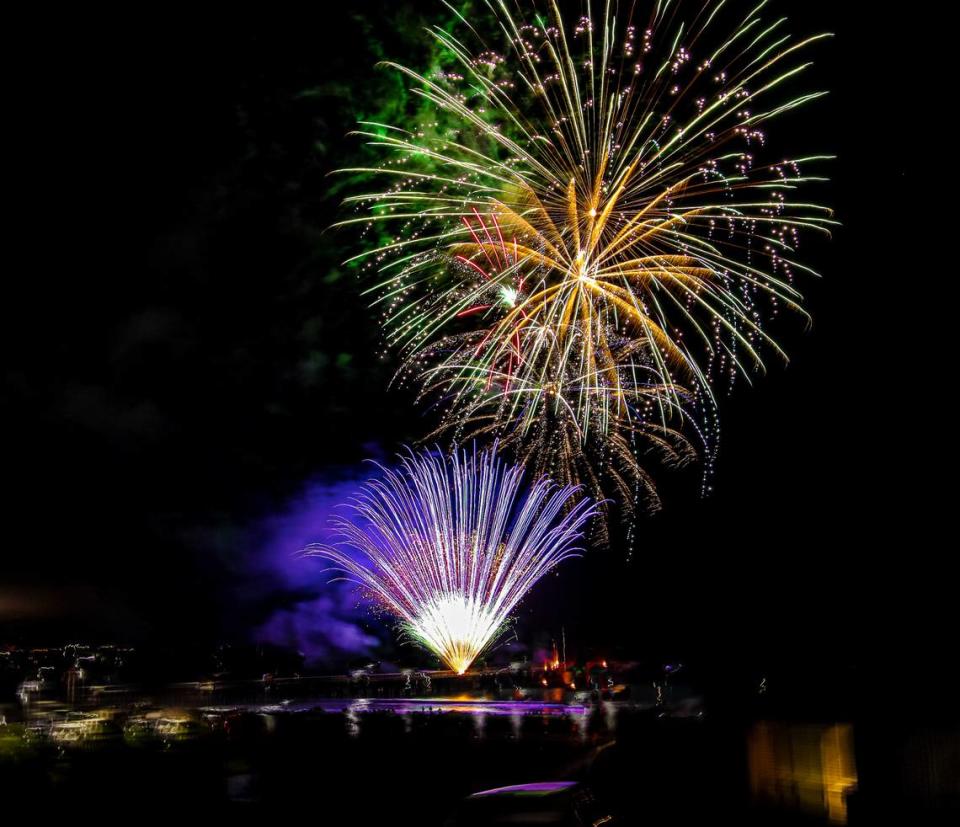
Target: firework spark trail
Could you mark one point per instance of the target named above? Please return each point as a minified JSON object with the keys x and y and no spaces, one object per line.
{"x":451,"y":544}
{"x":598,"y":236}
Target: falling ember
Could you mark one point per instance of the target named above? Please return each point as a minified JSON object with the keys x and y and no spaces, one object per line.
{"x":451,"y":544}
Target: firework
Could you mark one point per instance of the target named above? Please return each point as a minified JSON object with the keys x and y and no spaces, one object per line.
{"x":604,"y":458}
{"x":592,"y":233}
{"x":451,"y":544}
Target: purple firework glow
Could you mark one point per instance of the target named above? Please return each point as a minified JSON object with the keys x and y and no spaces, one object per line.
{"x":450,"y":545}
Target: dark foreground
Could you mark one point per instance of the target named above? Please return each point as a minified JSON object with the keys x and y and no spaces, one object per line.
{"x":411,"y":762}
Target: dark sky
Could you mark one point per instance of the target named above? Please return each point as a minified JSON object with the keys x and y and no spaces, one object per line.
{"x":182,"y":355}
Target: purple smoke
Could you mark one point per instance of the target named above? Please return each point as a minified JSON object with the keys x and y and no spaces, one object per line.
{"x":324,"y":620}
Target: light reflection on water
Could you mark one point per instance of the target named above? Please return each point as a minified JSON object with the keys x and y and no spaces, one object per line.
{"x":408,"y":706}
{"x":798,"y":767}
{"x":479,"y":711}
{"x":804,"y":767}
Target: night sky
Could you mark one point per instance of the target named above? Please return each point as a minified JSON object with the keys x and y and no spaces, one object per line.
{"x":189,"y":376}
